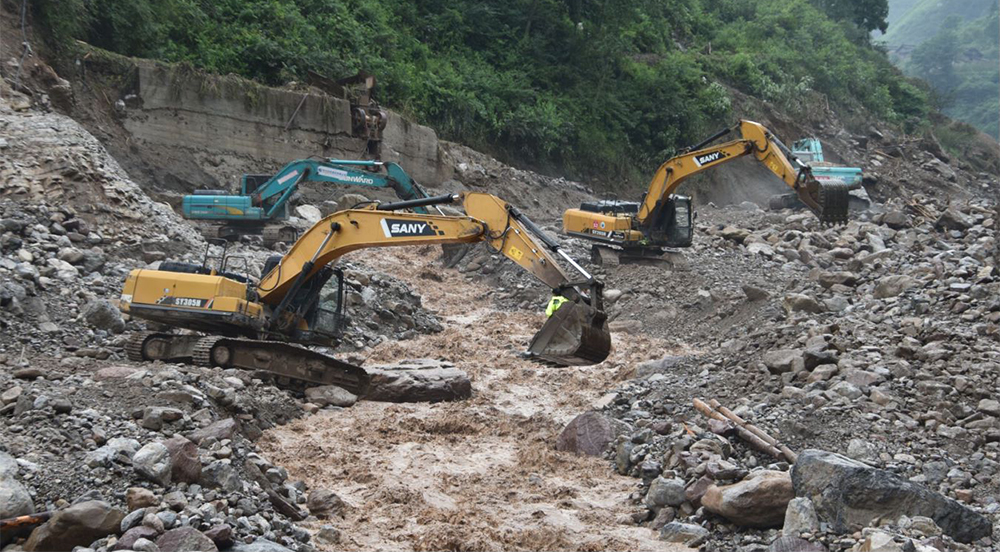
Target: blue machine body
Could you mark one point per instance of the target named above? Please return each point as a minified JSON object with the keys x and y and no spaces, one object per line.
{"x":265,"y":198}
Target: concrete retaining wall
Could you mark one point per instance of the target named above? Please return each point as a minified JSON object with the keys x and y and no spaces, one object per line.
{"x":225,"y":115}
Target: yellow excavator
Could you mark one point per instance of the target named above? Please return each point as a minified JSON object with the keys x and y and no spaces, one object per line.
{"x":642,"y":230}
{"x":256,"y":325}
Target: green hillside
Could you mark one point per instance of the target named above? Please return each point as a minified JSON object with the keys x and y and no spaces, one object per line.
{"x":912,"y":21}
{"x":955,"y":47}
{"x":600,"y":89}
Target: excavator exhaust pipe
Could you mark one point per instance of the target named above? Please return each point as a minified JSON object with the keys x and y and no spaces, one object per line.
{"x":575,"y":335}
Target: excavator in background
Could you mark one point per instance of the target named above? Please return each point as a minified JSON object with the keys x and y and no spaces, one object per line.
{"x":263,"y":200}
{"x":631,"y":231}
{"x":256,"y":325}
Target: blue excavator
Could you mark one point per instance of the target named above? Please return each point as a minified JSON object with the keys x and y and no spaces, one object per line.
{"x":262,"y":204}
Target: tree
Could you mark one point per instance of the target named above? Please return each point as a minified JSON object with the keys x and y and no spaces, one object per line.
{"x":868,"y":15}
{"x":934,"y":60}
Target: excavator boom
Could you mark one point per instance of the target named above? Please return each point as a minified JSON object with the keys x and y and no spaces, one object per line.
{"x":663,"y":218}
{"x":289,"y":303}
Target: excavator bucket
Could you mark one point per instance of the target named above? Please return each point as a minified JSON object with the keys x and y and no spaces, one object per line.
{"x":827,"y":200}
{"x":575,"y":335}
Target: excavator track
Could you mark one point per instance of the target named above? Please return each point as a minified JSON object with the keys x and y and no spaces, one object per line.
{"x":134,"y":345}
{"x":291,"y":366}
{"x":281,"y":360}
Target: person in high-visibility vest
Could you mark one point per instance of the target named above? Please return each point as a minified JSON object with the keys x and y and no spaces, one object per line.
{"x":554,"y":304}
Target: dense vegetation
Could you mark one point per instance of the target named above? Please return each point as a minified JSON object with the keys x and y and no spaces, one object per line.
{"x":956,"y":49}
{"x":595,"y":87}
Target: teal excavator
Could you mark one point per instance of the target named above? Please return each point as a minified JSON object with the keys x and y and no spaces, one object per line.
{"x":262,"y":204}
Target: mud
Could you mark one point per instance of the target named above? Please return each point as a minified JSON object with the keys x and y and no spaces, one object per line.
{"x":480,"y":474}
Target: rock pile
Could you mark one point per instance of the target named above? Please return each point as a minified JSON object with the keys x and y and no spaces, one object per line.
{"x":876,"y":339}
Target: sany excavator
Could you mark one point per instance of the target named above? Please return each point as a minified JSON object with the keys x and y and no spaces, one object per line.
{"x":256,"y":325}
{"x":263,"y":200}
{"x":663,"y":219}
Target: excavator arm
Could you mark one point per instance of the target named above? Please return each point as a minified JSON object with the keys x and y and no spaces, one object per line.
{"x":276,"y":191}
{"x":828,"y":202}
{"x":576,"y":334}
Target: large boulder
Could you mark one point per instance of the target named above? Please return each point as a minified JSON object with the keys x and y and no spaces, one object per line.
{"x":324,"y":503}
{"x":185,"y":539}
{"x":758,"y":501}
{"x":153,"y":463}
{"x":77,"y":525}
{"x":330,"y":395}
{"x":220,"y":474}
{"x":780,"y":361}
{"x":14,"y":499}
{"x":800,"y":517}
{"x":418,"y":380}
{"x":849,"y":495}
{"x":222,"y":429}
{"x":309,"y":213}
{"x":665,"y":492}
{"x":686,"y":533}
{"x":589,"y":433}
{"x":184,"y":460}
{"x":101,"y":314}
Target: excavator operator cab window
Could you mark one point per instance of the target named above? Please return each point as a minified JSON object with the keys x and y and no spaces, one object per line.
{"x":328,"y":320}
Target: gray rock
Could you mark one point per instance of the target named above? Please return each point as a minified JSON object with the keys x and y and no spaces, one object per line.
{"x":800,"y":517}
{"x":222,"y":429}
{"x":133,"y":519}
{"x":328,"y":534}
{"x":153,"y":463}
{"x":797,"y":302}
{"x":663,"y":365}
{"x":953,"y":219}
{"x":14,"y":499}
{"x":324,"y":503}
{"x":175,"y":500}
{"x":330,"y":395}
{"x":590,"y":433}
{"x":891,"y":286}
{"x":685,"y":533}
{"x":145,"y":545}
{"x":101,"y":314}
{"x":117,"y":449}
{"x":781,"y":361}
{"x":418,"y":380}
{"x":848,"y":495}
{"x":127,"y":540}
{"x":8,"y":466}
{"x":77,"y":525}
{"x":759,"y":501}
{"x":185,"y":539}
{"x":259,"y":545}
{"x":665,"y":492}
{"x":220,"y":474}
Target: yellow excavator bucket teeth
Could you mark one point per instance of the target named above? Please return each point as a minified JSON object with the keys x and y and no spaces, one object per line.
{"x":575,"y":335}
